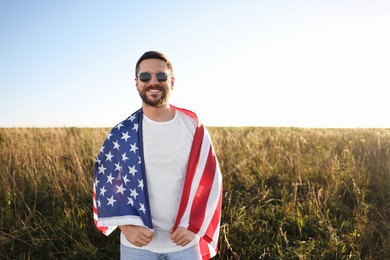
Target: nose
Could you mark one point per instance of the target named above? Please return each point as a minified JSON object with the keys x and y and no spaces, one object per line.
{"x":154,"y":80}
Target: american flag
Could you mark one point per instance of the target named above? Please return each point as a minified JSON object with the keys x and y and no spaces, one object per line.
{"x":120,"y":194}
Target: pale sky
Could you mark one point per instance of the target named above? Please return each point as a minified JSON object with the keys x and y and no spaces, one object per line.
{"x":237,"y":63}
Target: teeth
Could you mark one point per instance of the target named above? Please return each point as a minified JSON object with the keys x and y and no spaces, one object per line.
{"x":154,"y":90}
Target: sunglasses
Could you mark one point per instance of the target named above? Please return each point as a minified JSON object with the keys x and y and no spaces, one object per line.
{"x":146,"y":76}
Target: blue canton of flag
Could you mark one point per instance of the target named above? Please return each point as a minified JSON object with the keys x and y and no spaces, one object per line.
{"x":120,"y":189}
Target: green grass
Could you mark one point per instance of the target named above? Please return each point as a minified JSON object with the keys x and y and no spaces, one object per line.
{"x":289,"y":193}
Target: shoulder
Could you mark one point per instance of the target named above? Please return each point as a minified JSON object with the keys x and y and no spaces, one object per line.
{"x":130,"y":123}
{"x":187,"y":112}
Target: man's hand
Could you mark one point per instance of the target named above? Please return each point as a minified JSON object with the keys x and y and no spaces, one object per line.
{"x":182,"y":236}
{"x":137,"y":235}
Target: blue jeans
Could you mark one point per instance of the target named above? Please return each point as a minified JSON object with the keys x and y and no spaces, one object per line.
{"x":129,"y":253}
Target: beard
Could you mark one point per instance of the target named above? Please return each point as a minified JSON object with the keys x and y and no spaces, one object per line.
{"x":155,"y":101}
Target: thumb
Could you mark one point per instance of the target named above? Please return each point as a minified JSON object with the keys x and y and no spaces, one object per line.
{"x":173,"y":229}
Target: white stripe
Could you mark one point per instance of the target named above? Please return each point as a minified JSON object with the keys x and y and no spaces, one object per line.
{"x":122,"y":220}
{"x":213,"y":203}
{"x":197,"y":177}
{"x":212,"y":250}
{"x":109,"y":230}
{"x":216,"y":235}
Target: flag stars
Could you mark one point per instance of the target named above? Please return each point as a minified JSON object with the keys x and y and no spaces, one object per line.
{"x":97,"y":182}
{"x":120,"y":189}
{"x":111,"y":201}
{"x":116,"y":145}
{"x":103,"y":191}
{"x":133,"y":147}
{"x":102,"y":169}
{"x":118,"y":162}
{"x":132,"y":170}
{"x":119,"y":126}
{"x":142,"y":208}
{"x":135,"y":127}
{"x":125,"y":180}
{"x":118,"y":167}
{"x":132,"y":117}
{"x":124,"y":157}
{"x":109,"y":156}
{"x":133,"y":193}
{"x":110,"y":178}
{"x":125,"y":136}
{"x":141,"y":184}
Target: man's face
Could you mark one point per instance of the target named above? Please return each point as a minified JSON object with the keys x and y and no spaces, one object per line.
{"x":154,"y":92}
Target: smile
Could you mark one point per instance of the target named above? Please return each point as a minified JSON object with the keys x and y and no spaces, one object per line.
{"x":154,"y":90}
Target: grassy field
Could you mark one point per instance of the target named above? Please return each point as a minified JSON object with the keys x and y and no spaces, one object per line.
{"x":289,"y":193}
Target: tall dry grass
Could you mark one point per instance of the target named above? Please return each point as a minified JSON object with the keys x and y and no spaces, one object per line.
{"x":289,"y":193}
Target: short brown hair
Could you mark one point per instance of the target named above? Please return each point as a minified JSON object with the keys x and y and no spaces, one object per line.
{"x":153,"y":55}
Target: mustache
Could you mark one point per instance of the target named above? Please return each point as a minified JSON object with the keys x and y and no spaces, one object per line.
{"x":155,"y":87}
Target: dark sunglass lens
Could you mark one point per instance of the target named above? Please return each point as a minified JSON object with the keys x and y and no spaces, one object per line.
{"x":145,"y":76}
{"x":161,"y":76}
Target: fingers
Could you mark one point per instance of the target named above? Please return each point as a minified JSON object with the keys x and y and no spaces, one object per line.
{"x":137,"y":235}
{"x":141,"y":236}
{"x":140,"y":242}
{"x":182,"y":236}
{"x":182,"y":241}
{"x":146,"y":232}
{"x":143,"y":239}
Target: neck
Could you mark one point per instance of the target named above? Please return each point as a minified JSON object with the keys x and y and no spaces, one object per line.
{"x":159,"y":114}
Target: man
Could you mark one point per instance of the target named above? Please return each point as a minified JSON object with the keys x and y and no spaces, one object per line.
{"x":157,"y":176}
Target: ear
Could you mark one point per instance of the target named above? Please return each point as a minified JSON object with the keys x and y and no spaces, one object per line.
{"x":172,"y":82}
{"x":136,"y":83}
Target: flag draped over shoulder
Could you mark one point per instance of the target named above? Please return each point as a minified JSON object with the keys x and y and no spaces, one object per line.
{"x":120,"y":190}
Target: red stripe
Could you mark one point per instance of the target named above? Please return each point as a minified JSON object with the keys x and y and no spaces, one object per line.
{"x":191,"y":169}
{"x":94,"y":203}
{"x":214,"y":223}
{"x":204,"y":249}
{"x":101,"y":228}
{"x":187,"y":112}
{"x":198,"y":207}
{"x":211,"y":229}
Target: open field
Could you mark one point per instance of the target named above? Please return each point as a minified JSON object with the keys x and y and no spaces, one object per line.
{"x":289,"y":193}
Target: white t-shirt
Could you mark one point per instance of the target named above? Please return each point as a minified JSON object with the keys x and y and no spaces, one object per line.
{"x":167,"y":146}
